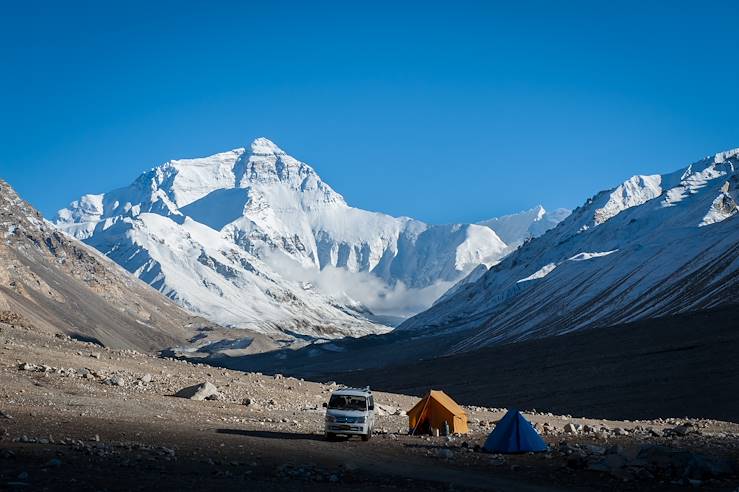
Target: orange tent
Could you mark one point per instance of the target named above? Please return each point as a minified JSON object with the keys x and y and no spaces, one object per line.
{"x":433,"y":410}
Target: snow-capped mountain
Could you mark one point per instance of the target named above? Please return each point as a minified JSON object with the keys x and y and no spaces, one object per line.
{"x":653,"y":246}
{"x":514,"y":229}
{"x":254,"y":238}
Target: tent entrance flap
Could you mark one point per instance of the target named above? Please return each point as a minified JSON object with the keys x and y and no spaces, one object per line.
{"x":422,"y":422}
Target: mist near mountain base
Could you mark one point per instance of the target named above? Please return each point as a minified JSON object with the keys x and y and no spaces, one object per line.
{"x":361,"y":289}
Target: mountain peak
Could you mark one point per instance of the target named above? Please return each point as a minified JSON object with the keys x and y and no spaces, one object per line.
{"x":265,"y":146}
{"x":724,"y":156}
{"x":513,"y":229}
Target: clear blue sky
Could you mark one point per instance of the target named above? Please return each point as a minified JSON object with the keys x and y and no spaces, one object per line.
{"x":446,"y":112}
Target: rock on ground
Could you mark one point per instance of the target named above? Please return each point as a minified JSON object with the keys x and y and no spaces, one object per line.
{"x":199,"y":392}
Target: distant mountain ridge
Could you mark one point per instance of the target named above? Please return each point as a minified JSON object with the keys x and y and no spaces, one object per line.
{"x":653,"y":246}
{"x":254,"y":238}
{"x":514,"y":229}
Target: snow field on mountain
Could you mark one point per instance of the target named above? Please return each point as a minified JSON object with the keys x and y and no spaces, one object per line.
{"x":254,"y":238}
{"x":652,"y":246}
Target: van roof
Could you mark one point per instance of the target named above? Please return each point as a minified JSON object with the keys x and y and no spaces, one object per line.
{"x":352,"y":392}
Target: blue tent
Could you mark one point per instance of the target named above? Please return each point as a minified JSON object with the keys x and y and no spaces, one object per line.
{"x":514,"y":434}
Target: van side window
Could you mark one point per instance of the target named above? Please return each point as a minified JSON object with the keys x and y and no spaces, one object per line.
{"x":371,"y":403}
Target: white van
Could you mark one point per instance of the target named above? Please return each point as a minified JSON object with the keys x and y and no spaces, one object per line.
{"x":350,"y":411}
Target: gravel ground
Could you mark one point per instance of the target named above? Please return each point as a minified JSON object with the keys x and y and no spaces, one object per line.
{"x":77,"y":416}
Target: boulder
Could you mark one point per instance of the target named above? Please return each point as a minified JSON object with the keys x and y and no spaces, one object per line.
{"x":654,"y":432}
{"x":117,"y":381}
{"x":593,"y":449}
{"x":445,"y":453}
{"x":385,"y":409}
{"x":682,"y":430}
{"x":570,"y":428}
{"x":199,"y":392}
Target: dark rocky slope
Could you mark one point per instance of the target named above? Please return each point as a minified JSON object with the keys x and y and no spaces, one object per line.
{"x":673,"y":366}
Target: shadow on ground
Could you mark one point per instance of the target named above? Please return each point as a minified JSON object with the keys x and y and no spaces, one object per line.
{"x":272,"y":435}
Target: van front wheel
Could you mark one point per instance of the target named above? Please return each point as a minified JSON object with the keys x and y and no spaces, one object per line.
{"x":366,"y":437}
{"x":330,"y":436}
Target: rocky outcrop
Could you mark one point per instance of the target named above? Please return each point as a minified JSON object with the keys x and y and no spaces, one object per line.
{"x":51,"y":282}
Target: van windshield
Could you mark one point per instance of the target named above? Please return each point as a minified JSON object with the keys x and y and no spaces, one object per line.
{"x":346,"y":402}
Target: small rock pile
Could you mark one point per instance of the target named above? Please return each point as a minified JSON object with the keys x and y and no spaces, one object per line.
{"x":118,"y":378}
{"x":384,"y":410}
{"x":94,"y":447}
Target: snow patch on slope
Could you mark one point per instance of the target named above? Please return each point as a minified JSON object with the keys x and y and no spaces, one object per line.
{"x":540,"y":273}
{"x":549,"y":268}
{"x":589,"y":256}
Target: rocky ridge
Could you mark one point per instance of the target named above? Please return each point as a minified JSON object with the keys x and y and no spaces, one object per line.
{"x":54,"y":283}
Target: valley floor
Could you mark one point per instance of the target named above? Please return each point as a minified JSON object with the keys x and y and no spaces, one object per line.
{"x":675,"y":365}
{"x":76,"y":416}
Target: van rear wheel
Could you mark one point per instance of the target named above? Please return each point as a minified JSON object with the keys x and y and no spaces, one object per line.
{"x":330,"y":436}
